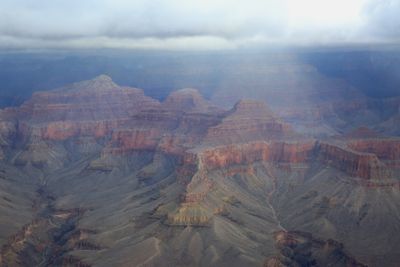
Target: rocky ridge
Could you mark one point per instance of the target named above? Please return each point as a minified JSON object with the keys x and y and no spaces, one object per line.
{"x":111,"y":129}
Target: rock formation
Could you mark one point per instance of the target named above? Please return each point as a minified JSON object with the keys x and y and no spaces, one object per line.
{"x":248,"y":120}
{"x":384,"y":149}
{"x":278,"y":152}
{"x":357,"y":164}
{"x":302,"y":249}
{"x":184,"y":177}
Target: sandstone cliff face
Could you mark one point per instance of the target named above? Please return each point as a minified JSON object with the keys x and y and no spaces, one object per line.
{"x":279,"y":152}
{"x":363,"y":165}
{"x":356,"y":164}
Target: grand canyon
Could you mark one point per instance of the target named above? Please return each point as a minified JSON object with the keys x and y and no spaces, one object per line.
{"x":97,"y":174}
{"x":200,"y":133}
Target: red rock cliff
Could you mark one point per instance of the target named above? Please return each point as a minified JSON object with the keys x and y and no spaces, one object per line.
{"x":280,"y":152}
{"x":358,"y":164}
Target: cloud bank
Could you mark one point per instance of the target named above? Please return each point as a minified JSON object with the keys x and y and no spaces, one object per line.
{"x":196,"y":24}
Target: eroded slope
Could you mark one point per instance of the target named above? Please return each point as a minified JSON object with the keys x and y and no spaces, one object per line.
{"x":109,"y":177}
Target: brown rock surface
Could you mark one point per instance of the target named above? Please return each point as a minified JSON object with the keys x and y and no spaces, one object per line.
{"x":358,"y":164}
{"x":248,"y":120}
{"x":97,"y":99}
{"x":187,"y":99}
{"x":280,"y":152}
{"x":93,"y":107}
{"x":384,"y":149}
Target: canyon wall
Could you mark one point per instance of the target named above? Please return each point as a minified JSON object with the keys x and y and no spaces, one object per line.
{"x":279,"y":152}
{"x":384,"y":149}
{"x":126,"y":120}
{"x":357,"y":164}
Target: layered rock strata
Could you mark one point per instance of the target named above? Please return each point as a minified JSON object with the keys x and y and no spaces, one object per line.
{"x":189,"y":163}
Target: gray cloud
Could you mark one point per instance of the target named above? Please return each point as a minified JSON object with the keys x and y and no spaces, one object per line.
{"x":383,"y":19}
{"x":193,"y":24}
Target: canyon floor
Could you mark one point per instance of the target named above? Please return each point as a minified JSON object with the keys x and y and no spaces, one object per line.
{"x":97,"y":174}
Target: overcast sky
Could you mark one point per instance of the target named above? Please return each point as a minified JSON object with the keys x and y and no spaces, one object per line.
{"x":196,"y":24}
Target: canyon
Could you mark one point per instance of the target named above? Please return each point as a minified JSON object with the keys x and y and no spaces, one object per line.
{"x":106,"y":176}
